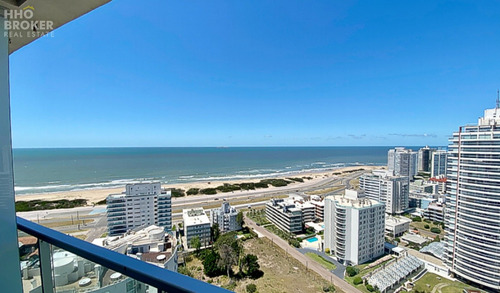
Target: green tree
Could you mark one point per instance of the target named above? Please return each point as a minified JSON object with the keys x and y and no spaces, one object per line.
{"x":230,"y":250}
{"x":210,"y":267}
{"x":357,"y":280}
{"x":196,"y":243}
{"x":239,"y":218}
{"x":215,"y":232}
{"x":352,"y":271}
{"x":251,"y":264}
{"x":435,"y":230}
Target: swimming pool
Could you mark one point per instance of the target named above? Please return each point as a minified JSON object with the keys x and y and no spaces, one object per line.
{"x":311,"y":240}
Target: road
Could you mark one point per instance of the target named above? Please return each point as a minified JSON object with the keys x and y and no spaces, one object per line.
{"x":98,"y":213}
{"x":314,"y":184}
{"x":340,"y":268}
{"x":100,"y":227}
{"x":323,"y":272}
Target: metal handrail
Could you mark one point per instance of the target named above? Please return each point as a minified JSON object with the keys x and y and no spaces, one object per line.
{"x":152,"y":275}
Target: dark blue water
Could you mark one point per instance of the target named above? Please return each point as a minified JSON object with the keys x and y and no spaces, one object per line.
{"x":49,"y":170}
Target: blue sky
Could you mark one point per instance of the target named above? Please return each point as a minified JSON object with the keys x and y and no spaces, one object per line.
{"x":258,"y":73}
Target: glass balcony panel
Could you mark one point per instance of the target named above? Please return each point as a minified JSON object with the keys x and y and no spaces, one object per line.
{"x":73,"y":273}
{"x":30,"y":262}
{"x":70,"y":265}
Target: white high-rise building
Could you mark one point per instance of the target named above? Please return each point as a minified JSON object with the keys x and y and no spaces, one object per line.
{"x":393,"y":191}
{"x":142,"y":204}
{"x":402,"y":162}
{"x":472,"y":217}
{"x":439,"y":163}
{"x":354,"y":227}
{"x":225,"y":217}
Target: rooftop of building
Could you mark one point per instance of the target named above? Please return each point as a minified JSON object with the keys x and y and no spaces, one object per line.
{"x":413,"y":238}
{"x":196,"y":216}
{"x":396,"y":220}
{"x":355,"y":199}
{"x":225,"y":208}
{"x":140,"y":189}
{"x":491,"y":117}
{"x":288,"y":204}
{"x":384,"y":174}
{"x":138,"y":236}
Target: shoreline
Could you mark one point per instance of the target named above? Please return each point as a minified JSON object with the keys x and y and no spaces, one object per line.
{"x":97,"y":194}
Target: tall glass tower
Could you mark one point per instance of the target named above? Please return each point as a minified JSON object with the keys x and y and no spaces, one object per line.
{"x":472,"y":241}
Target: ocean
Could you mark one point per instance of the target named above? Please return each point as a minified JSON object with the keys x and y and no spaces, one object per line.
{"x":63,"y":169}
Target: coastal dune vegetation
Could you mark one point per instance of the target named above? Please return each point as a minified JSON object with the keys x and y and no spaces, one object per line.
{"x":37,"y":205}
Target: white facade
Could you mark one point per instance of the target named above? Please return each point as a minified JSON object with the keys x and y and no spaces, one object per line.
{"x":397,"y":226}
{"x":196,"y":224}
{"x":472,"y":218}
{"x":225,"y":217}
{"x":285,"y":215}
{"x":439,"y":164}
{"x":142,"y":204}
{"x":393,"y":191}
{"x":435,"y":212}
{"x":308,"y":211}
{"x":354,"y":227}
{"x":402,"y":162}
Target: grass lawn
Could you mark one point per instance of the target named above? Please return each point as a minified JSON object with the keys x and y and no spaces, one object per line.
{"x":324,"y":191}
{"x":55,"y":224}
{"x":322,"y":261}
{"x":427,"y":232}
{"x":447,"y":286}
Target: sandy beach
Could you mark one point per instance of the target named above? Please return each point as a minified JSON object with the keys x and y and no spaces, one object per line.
{"x":95,"y":195}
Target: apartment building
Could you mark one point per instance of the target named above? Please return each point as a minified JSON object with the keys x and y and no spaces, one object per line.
{"x":319,"y":208}
{"x":435,"y":212}
{"x":402,"y":162}
{"x":285,"y":215}
{"x":196,"y":224}
{"x":225,"y":217}
{"x":422,"y":186}
{"x":354,"y":227}
{"x":142,"y":204}
{"x":424,"y":158}
{"x":472,"y":241}
{"x":439,"y":163}
{"x":393,"y":191}
{"x":396,"y":225}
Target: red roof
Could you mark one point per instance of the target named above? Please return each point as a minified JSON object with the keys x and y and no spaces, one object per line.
{"x":438,"y":179}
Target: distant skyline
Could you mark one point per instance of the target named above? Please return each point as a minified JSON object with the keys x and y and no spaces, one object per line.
{"x":241,"y":73}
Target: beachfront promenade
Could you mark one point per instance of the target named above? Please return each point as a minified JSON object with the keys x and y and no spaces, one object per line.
{"x":310,"y":264}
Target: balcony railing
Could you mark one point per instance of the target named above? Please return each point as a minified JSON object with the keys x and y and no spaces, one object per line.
{"x":53,"y":244}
